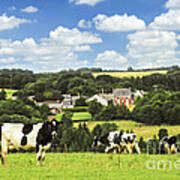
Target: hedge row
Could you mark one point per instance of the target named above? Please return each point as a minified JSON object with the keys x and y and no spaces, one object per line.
{"x":77,"y":109}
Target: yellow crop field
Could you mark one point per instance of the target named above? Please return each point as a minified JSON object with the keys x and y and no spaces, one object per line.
{"x":129,"y":74}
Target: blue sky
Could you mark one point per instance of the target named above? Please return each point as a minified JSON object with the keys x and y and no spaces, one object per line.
{"x":48,"y":36}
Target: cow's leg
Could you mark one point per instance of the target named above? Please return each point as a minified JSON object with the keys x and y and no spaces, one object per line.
{"x":137,"y":148}
{"x":129,"y":149}
{"x":43,"y":157}
{"x":167,"y":148}
{"x":39,"y":154}
{"x":108,"y":148}
{"x":173,"y":148}
{"x":4,"y":151}
{"x":120,"y":148}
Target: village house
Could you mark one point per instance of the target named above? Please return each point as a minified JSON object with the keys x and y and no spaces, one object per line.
{"x":122,"y":96}
{"x":118,"y":96}
{"x":100,"y":99}
{"x":57,"y":106}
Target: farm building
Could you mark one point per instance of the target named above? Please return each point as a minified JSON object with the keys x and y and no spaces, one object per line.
{"x":99,"y":99}
{"x":122,"y":96}
{"x":57,"y":106}
{"x":119,"y":96}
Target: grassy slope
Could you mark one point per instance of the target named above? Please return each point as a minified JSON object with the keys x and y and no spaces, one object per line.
{"x":77,"y":116}
{"x":141,"y":130}
{"x":87,"y":166}
{"x":129,"y":74}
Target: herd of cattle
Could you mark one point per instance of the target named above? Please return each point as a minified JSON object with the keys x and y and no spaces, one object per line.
{"x":39,"y":136}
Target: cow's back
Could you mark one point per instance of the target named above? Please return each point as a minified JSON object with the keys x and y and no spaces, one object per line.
{"x":15,"y":134}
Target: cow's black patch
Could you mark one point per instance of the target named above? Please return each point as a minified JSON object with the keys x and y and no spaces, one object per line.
{"x":104,"y":139}
{"x":44,"y":135}
{"x":125,"y":140}
{"x":24,"y":141}
{"x":117,"y":139}
{"x":172,"y":140}
{"x":27,"y":128}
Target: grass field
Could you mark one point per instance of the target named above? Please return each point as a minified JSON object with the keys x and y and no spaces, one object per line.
{"x":77,"y":116}
{"x":89,"y":166}
{"x":141,"y":130}
{"x":129,"y":74}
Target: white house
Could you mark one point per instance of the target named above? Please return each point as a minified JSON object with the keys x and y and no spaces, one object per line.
{"x":99,"y":99}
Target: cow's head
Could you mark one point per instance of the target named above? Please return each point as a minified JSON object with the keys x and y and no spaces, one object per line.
{"x":53,"y":127}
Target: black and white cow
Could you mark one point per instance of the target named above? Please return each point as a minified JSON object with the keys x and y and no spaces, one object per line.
{"x":168,"y":144}
{"x":118,"y":140}
{"x":25,"y":136}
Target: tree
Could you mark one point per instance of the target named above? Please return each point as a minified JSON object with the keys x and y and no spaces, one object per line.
{"x":81,"y":102}
{"x":94,"y":108}
{"x":2,"y":94}
{"x":130,"y":69}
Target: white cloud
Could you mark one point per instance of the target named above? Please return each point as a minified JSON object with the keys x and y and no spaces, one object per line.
{"x":173,"y":4}
{"x":7,"y":60}
{"x":110,"y":59}
{"x":54,"y":53}
{"x":30,"y":9}
{"x":153,"y":48}
{"x":73,"y":36}
{"x":82,"y":48}
{"x":118,"y":23}
{"x":88,"y":2}
{"x":167,"y":21}
{"x":11,"y":22}
{"x":84,"y":24}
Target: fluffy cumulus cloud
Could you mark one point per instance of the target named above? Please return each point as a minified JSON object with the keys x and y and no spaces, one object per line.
{"x":173,"y":4}
{"x":153,"y":48}
{"x":84,"y":24}
{"x":88,"y":2}
{"x":118,"y":23}
{"x":30,"y":9}
{"x":110,"y":59}
{"x":167,"y":21}
{"x":73,"y":36}
{"x":10,"y":22}
{"x":58,"y":51}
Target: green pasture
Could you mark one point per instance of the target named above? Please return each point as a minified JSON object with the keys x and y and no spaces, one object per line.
{"x":77,"y":116}
{"x":129,"y":74}
{"x":91,"y":166}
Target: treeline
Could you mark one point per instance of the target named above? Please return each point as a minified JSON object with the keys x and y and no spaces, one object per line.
{"x":158,"y":107}
{"x":50,"y":86}
{"x":111,"y":112}
{"x":129,"y":69}
{"x":22,"y":111}
{"x":80,"y":139}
